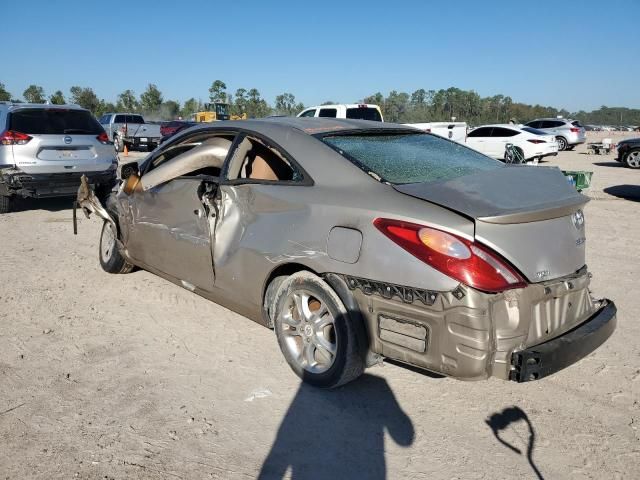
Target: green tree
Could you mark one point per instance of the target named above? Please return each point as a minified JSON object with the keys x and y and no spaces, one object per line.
{"x":151,"y":99}
{"x":105,"y":107}
{"x":127,"y":101}
{"x":169,"y":110}
{"x":257,"y":107}
{"x":57,"y":98}
{"x":218,"y":91}
{"x":5,"y":96}
{"x":85,"y":97}
{"x":239,"y":105}
{"x":190,"y":107}
{"x":286,"y":105}
{"x":34,"y":94}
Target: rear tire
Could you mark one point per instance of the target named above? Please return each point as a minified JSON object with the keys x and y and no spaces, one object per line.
{"x":632,"y":159}
{"x":6,"y":203}
{"x":118,"y":144}
{"x":111,"y":260}
{"x":562,"y":144}
{"x":319,"y":340}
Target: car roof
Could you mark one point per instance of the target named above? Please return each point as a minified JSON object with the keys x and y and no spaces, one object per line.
{"x":12,"y":106}
{"x":308,"y":125}
{"x":299,"y":137}
{"x":553,"y":119}
{"x":346,"y":105}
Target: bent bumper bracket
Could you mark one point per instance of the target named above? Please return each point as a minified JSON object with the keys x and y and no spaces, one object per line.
{"x":547,"y":358}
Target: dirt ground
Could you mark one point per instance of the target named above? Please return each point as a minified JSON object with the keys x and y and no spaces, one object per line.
{"x":129,"y":376}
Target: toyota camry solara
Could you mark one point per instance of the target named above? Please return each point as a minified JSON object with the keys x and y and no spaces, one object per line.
{"x":357,"y":241}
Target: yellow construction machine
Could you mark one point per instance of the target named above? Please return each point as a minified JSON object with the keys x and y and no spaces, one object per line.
{"x":216,"y":111}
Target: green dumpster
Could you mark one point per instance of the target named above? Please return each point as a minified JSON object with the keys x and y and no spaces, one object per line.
{"x":579,"y":179}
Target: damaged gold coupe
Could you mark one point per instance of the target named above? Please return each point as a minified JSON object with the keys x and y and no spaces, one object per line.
{"x":357,"y":241}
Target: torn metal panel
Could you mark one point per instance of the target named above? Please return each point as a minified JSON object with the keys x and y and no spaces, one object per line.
{"x":210,"y":154}
{"x":474,"y":336}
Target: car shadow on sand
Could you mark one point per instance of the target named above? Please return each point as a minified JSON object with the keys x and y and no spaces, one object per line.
{"x":612,"y":163}
{"x":500,"y":424}
{"x":49,"y":204}
{"x":338,"y":433}
{"x":627,"y":192}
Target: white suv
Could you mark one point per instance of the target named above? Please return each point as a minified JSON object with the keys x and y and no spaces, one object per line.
{"x":569,"y":133}
{"x":45,"y":149}
{"x":362,"y":111}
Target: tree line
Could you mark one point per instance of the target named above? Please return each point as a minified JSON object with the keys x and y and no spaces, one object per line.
{"x":419,"y":106}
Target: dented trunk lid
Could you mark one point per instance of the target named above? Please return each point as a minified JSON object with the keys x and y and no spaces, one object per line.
{"x":529,"y":215}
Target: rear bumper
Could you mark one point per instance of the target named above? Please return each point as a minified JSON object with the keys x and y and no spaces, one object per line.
{"x":550,"y":357}
{"x":16,"y":182}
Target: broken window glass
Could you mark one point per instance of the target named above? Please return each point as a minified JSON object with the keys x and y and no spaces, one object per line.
{"x":411,"y":158}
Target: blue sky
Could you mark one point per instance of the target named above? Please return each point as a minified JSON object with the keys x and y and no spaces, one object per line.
{"x":569,"y":54}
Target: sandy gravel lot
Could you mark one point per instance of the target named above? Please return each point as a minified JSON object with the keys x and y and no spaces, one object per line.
{"x":116,"y":377}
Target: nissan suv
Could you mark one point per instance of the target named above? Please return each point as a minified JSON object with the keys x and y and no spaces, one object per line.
{"x":568,"y":133}
{"x":45,"y":149}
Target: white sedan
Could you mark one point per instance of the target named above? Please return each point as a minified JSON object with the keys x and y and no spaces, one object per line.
{"x":493,"y":139}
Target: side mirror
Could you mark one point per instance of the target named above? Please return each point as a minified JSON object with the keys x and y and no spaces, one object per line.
{"x":129,"y":169}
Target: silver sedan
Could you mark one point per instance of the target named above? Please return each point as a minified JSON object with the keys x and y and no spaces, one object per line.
{"x":357,"y":241}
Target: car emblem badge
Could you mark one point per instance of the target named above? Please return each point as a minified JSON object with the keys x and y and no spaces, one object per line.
{"x":578,"y":219}
{"x":68,"y":140}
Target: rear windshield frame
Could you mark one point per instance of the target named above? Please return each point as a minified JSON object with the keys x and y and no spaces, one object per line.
{"x":88,"y":127}
{"x":392,"y":132}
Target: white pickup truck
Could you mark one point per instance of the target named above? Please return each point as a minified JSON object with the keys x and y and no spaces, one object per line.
{"x":456,"y":131}
{"x":130,"y":130}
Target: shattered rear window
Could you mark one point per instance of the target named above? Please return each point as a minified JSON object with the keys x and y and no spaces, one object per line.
{"x":410,"y":158}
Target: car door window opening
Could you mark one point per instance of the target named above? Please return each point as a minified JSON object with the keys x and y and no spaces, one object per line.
{"x":194,"y":159}
{"x":255,"y":160}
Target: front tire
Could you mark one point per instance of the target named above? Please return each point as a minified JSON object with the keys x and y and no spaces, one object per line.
{"x":6,"y":203}
{"x":632,"y":159}
{"x":315,"y":333}
{"x":562,"y":144}
{"x":111,"y":260}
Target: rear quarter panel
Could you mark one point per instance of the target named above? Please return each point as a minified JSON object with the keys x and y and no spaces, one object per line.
{"x":261,"y":227}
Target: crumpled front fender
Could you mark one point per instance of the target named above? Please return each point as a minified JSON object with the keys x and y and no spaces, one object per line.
{"x":89,"y":202}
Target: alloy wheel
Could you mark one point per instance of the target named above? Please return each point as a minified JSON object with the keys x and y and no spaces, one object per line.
{"x":309,"y":332}
{"x":633,"y":159}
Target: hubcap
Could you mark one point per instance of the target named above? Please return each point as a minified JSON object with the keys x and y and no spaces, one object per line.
{"x":309,"y":332}
{"x":562,"y":144}
{"x":633,"y":159}
{"x":108,"y":243}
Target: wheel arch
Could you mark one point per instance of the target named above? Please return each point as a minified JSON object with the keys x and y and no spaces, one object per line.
{"x":282,"y":270}
{"x":337,"y":284}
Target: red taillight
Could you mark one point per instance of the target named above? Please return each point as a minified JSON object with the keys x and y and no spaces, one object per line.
{"x":14,"y":138}
{"x":468,"y":262}
{"x":575,"y":130}
{"x":536,"y":141}
{"x":103,"y":138}
{"x":428,"y":130}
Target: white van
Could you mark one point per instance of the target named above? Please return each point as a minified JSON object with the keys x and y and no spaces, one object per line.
{"x":361,"y":111}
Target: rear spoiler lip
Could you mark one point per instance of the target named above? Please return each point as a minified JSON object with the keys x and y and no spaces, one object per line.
{"x":538,"y":215}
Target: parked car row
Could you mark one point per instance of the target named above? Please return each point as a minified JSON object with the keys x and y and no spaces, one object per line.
{"x":608,"y":128}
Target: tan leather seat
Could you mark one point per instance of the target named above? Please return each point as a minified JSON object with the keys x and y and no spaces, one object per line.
{"x":260,"y":170}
